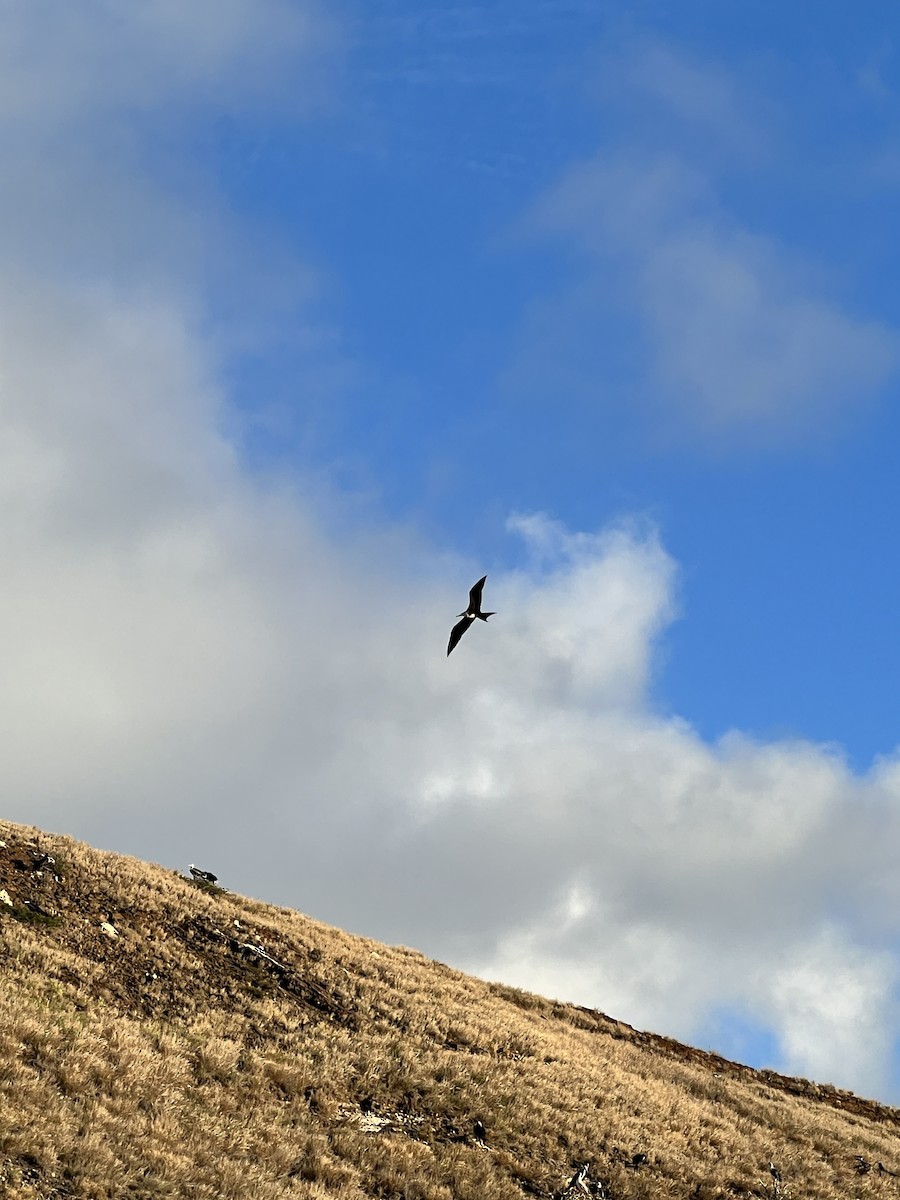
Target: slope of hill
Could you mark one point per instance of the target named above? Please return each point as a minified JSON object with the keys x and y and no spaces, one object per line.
{"x":159,"y":1039}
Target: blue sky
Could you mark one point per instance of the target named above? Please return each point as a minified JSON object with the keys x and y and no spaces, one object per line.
{"x":490,"y":363}
{"x":308,"y":319}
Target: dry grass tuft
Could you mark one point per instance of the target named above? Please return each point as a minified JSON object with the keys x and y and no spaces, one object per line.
{"x":160,"y":1039}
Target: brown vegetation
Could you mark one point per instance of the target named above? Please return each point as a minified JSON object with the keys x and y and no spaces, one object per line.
{"x":159,"y":1040}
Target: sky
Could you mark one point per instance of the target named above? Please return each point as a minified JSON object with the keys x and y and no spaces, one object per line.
{"x":312,"y":315}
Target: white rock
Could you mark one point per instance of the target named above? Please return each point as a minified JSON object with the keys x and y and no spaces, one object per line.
{"x":108,"y":929}
{"x":5,"y":897}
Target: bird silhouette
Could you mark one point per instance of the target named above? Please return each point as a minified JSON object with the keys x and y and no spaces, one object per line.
{"x":467,"y":617}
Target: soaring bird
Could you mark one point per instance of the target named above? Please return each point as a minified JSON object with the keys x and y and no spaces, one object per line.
{"x":467,"y":617}
{"x":206,"y":876}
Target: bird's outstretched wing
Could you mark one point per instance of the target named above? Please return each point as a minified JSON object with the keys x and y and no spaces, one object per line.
{"x":475,"y":595}
{"x":457,"y":631}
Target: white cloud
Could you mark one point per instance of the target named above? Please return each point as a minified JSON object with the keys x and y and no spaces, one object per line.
{"x":192,"y":668}
{"x":195,"y":668}
{"x":832,"y":993}
{"x":742,"y":347}
{"x":738,"y":341}
{"x":668,"y":96}
{"x":109,"y":114}
{"x":64,"y":65}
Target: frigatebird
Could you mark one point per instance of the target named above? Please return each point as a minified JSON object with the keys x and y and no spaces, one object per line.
{"x":206,"y":876}
{"x":467,"y":617}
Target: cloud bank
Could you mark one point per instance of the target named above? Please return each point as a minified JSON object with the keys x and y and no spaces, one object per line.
{"x":197,"y":667}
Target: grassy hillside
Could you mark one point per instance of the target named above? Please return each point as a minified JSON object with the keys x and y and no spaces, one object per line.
{"x":158,"y":1039}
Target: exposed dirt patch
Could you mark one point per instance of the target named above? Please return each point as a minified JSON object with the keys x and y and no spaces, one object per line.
{"x":136,"y":951}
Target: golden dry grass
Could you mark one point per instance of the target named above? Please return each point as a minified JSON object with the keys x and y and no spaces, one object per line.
{"x":176,"y":1061}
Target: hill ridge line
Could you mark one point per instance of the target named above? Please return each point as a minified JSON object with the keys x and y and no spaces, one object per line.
{"x":188,"y":1022}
